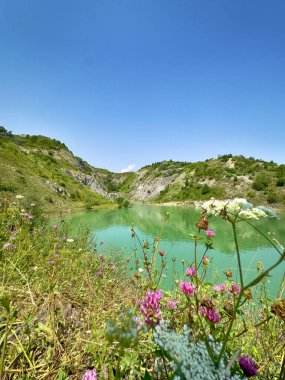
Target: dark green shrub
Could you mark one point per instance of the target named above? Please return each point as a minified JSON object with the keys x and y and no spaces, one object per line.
{"x":272,"y":197}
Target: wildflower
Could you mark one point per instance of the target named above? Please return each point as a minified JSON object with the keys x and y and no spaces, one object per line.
{"x":140,"y":270}
{"x":187,"y":288}
{"x":150,"y":307}
{"x":56,"y":255}
{"x":210,"y":233}
{"x":171,"y":304}
{"x":139,"y":323}
{"x":55,"y":228}
{"x":248,"y":365}
{"x":191,"y":272}
{"x":90,"y":374}
{"x":211,"y":314}
{"x":234,"y":289}
{"x":248,"y":294}
{"x":19,"y":196}
{"x":161,"y":252}
{"x":99,"y":273}
{"x":8,"y":246}
{"x":52,"y":262}
{"x":56,"y":239}
{"x":236,"y":207}
{"x":278,"y":308}
{"x":229,"y":273}
{"x":202,"y":224}
{"x":220,"y":288}
{"x":206,"y":261}
{"x":70,"y":240}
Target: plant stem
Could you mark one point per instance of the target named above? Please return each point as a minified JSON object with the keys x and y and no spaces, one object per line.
{"x":238,"y":253}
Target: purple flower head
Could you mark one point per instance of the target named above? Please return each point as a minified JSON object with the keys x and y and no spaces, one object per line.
{"x":8,"y":246}
{"x":248,"y":365}
{"x":90,"y":374}
{"x":55,"y":228}
{"x":150,"y":307}
{"x":187,"y":288}
{"x":235,"y":289}
{"x":99,"y":273}
{"x":220,"y":288}
{"x":171,"y":304}
{"x":210,"y":233}
{"x":211,"y":314}
{"x":52,"y":262}
{"x":191,"y":272}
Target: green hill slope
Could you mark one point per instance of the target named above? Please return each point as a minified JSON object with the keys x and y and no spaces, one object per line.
{"x":44,"y":168}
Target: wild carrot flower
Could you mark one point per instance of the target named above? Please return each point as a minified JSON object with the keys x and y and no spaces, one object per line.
{"x":248,"y":365}
{"x":187,"y":288}
{"x":191,"y":272}
{"x":150,"y":307}
{"x":210,"y":233}
{"x":234,"y":289}
{"x":90,"y":374}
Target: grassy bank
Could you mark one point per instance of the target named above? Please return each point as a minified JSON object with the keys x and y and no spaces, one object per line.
{"x":71,"y":310}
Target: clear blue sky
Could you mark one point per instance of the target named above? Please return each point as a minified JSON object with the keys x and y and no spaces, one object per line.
{"x":137,"y":81}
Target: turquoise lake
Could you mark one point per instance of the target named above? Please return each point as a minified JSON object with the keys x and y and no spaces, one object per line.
{"x":174,"y":225}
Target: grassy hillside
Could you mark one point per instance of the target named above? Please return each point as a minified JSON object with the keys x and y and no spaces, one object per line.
{"x":225,"y":177}
{"x":45,"y":169}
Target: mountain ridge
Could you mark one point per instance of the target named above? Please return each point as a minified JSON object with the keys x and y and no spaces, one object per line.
{"x":45,"y":168}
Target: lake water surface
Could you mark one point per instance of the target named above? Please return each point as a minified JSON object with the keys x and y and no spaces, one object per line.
{"x":112,"y":226}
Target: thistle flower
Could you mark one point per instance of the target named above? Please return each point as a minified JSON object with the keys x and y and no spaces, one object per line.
{"x":234,"y":289}
{"x":52,"y":262}
{"x":191,"y":272}
{"x":248,"y":365}
{"x":220,"y":288}
{"x":211,"y":314}
{"x":210,"y":233}
{"x":55,"y":228}
{"x":202,"y":224}
{"x":90,"y":374}
{"x":187,"y":288}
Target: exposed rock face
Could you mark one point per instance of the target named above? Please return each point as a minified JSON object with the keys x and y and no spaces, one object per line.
{"x":147,"y":187}
{"x":90,"y":181}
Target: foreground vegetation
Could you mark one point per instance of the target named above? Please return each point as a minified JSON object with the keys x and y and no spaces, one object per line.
{"x":69,"y":310}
